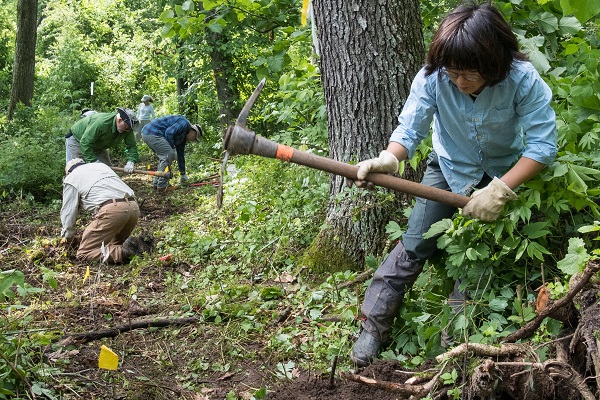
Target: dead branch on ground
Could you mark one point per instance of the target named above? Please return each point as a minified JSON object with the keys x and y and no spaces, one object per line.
{"x":117,"y":330}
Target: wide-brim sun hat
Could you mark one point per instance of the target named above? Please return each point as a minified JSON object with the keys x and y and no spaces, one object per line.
{"x":72,"y":164}
{"x":197,"y":128}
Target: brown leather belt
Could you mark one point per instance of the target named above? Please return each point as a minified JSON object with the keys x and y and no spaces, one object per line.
{"x":110,"y":201}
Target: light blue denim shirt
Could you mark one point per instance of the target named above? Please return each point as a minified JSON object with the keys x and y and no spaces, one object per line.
{"x":509,"y":120}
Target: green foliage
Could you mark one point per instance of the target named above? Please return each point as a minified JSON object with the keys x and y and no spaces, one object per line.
{"x":32,"y":157}
{"x":19,"y":352}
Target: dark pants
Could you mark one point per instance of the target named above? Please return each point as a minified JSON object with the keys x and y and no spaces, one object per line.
{"x":396,"y":275}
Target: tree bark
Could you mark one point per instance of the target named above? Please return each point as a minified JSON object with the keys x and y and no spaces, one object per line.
{"x":369,"y":53}
{"x":24,"y":62}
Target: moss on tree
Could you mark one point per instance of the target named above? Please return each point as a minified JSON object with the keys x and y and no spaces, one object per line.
{"x":327,"y":253}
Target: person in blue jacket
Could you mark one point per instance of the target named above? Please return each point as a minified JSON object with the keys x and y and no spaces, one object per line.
{"x":493,"y":129}
{"x":167,"y":137}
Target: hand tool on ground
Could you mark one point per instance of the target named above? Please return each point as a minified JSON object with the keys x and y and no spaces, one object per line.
{"x":162,"y":174}
{"x":212,"y":180}
{"x":240,"y":140}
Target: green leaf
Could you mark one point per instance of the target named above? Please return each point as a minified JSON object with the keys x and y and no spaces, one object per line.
{"x":166,"y":15}
{"x":215,"y":27}
{"x":569,"y":25}
{"x":439,"y":227}
{"x":460,"y":323}
{"x":188,"y":5}
{"x":584,"y":10}
{"x":168,"y":31}
{"x":536,"y":230}
{"x":393,"y":230}
{"x":531,"y":47}
{"x":548,"y":22}
{"x":498,"y":304}
{"x":534,"y":249}
{"x":576,"y":258}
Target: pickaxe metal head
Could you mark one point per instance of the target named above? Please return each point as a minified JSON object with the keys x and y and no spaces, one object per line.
{"x":239,"y":129}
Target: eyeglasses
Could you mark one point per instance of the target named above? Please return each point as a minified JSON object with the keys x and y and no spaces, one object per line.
{"x":471,"y":77}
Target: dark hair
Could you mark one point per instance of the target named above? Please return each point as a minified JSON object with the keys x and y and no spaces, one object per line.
{"x":474,"y":37}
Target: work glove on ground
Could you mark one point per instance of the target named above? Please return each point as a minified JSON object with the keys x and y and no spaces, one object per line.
{"x":183,"y":179}
{"x":487,"y":203}
{"x":385,"y":163}
{"x":128,"y":169}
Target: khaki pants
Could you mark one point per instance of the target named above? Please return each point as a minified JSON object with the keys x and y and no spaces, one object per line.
{"x":112,"y":224}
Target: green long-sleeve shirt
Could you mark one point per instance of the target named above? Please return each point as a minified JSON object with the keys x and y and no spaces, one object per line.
{"x":99,"y":132}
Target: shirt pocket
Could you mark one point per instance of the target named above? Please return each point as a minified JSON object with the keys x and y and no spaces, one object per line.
{"x":501,"y":120}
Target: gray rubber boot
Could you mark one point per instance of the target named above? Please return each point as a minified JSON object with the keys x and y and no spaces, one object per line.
{"x":365,"y":349}
{"x":382,"y":300}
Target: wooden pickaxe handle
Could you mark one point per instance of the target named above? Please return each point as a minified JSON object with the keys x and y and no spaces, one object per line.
{"x":161,"y":174}
{"x":240,"y":140}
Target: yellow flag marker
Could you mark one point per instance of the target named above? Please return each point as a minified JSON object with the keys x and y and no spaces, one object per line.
{"x":304,"y":11}
{"x":108,"y":359}
{"x":87,"y":274}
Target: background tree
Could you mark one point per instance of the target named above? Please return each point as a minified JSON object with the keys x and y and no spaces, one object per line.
{"x":369,"y":53}
{"x":24,"y":61}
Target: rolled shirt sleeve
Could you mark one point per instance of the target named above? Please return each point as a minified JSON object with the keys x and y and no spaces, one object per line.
{"x":69,"y":211}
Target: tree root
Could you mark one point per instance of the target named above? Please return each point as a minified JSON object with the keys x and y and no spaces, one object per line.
{"x":484,"y":350}
{"x":414,"y":391}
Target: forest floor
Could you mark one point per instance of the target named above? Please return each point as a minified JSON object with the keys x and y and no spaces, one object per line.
{"x":171,"y":347}
{"x":184,"y":360}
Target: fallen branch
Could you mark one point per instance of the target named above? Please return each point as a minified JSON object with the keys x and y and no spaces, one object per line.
{"x":117,"y":330}
{"x":483,"y":350}
{"x":529,"y":328}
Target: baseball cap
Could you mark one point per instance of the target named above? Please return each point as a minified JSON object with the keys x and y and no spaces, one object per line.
{"x":128,"y":116}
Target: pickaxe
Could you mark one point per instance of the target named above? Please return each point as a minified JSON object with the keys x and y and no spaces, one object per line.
{"x":241,"y":140}
{"x":162,"y":174}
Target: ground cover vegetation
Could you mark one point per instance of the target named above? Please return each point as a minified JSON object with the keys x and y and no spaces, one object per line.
{"x":224,"y":306}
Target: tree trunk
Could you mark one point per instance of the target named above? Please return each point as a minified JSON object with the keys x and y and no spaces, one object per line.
{"x":369,"y":53}
{"x":222,"y":65}
{"x":24,"y":63}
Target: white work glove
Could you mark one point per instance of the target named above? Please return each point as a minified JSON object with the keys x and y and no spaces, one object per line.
{"x":183,"y":179}
{"x":128,"y":168}
{"x":385,"y":163}
{"x":486,"y":204}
